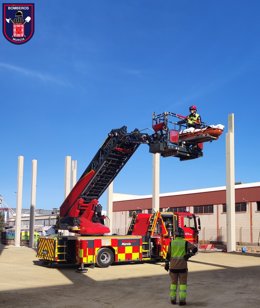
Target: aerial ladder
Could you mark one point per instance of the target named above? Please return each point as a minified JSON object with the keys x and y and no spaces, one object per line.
{"x":81,"y":212}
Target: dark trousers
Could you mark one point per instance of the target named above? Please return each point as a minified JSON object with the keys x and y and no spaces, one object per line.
{"x":178,"y":278}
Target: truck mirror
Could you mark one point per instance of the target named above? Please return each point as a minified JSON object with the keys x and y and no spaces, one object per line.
{"x":199,"y":227}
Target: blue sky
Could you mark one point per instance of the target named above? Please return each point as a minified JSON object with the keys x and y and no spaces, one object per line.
{"x":92,"y":66}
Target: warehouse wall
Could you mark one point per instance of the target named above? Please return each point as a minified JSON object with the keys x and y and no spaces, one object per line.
{"x":213,"y":226}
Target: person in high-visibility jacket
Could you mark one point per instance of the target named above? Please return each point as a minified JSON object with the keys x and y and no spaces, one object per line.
{"x":179,"y":252}
{"x":193,"y":119}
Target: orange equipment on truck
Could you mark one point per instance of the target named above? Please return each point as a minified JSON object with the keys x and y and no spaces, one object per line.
{"x":148,"y":236}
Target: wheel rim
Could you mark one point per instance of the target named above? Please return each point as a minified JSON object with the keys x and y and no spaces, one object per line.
{"x":105,"y":258}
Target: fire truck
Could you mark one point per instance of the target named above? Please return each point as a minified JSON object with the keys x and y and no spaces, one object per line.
{"x":81,"y":234}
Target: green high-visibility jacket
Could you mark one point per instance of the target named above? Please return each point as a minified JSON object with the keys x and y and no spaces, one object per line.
{"x":178,"y":248}
{"x":193,"y":118}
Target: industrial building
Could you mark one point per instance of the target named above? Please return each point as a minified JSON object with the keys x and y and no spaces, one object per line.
{"x":43,"y":218}
{"x":209,"y":204}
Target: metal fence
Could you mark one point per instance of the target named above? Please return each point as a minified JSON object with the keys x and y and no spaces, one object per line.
{"x":243,"y":235}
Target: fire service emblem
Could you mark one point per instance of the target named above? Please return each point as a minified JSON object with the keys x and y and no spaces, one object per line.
{"x":18,"y":22}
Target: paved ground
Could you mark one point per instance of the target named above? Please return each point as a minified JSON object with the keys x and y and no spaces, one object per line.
{"x":215,"y":280}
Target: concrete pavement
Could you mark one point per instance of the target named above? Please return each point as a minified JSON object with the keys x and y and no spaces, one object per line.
{"x":215,"y":280}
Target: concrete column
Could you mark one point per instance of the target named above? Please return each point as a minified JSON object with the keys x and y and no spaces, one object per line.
{"x":230,"y":186}
{"x":73,"y":173}
{"x":33,"y":202}
{"x":156,"y":182}
{"x":251,"y":222}
{"x":67,"y":175}
{"x":19,"y":198}
{"x":110,"y":206}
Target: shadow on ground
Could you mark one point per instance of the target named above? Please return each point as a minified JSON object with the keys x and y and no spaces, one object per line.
{"x":225,"y":287}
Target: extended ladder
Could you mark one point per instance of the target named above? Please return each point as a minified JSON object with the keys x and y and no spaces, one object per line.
{"x":104,"y":167}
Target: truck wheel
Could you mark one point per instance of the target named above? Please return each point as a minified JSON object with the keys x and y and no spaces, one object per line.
{"x":105,"y":257}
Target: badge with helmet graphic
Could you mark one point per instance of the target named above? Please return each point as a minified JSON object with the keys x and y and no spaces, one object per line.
{"x":18,"y":22}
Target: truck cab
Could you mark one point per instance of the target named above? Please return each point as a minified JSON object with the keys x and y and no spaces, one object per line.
{"x":189,"y":222}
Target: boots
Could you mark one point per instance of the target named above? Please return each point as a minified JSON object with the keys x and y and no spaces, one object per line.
{"x":182,"y":303}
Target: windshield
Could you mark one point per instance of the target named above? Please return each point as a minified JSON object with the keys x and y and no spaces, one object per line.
{"x":189,"y":222}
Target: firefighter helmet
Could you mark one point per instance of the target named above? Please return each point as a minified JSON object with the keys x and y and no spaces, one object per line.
{"x":180,"y":232}
{"x":18,"y":18}
{"x":193,"y":107}
{"x":19,"y":14}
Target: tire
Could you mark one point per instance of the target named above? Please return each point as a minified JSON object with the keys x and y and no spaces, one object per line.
{"x":105,"y":257}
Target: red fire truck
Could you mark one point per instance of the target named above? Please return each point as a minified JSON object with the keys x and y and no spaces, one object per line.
{"x":148,"y":236}
{"x":147,"y":239}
